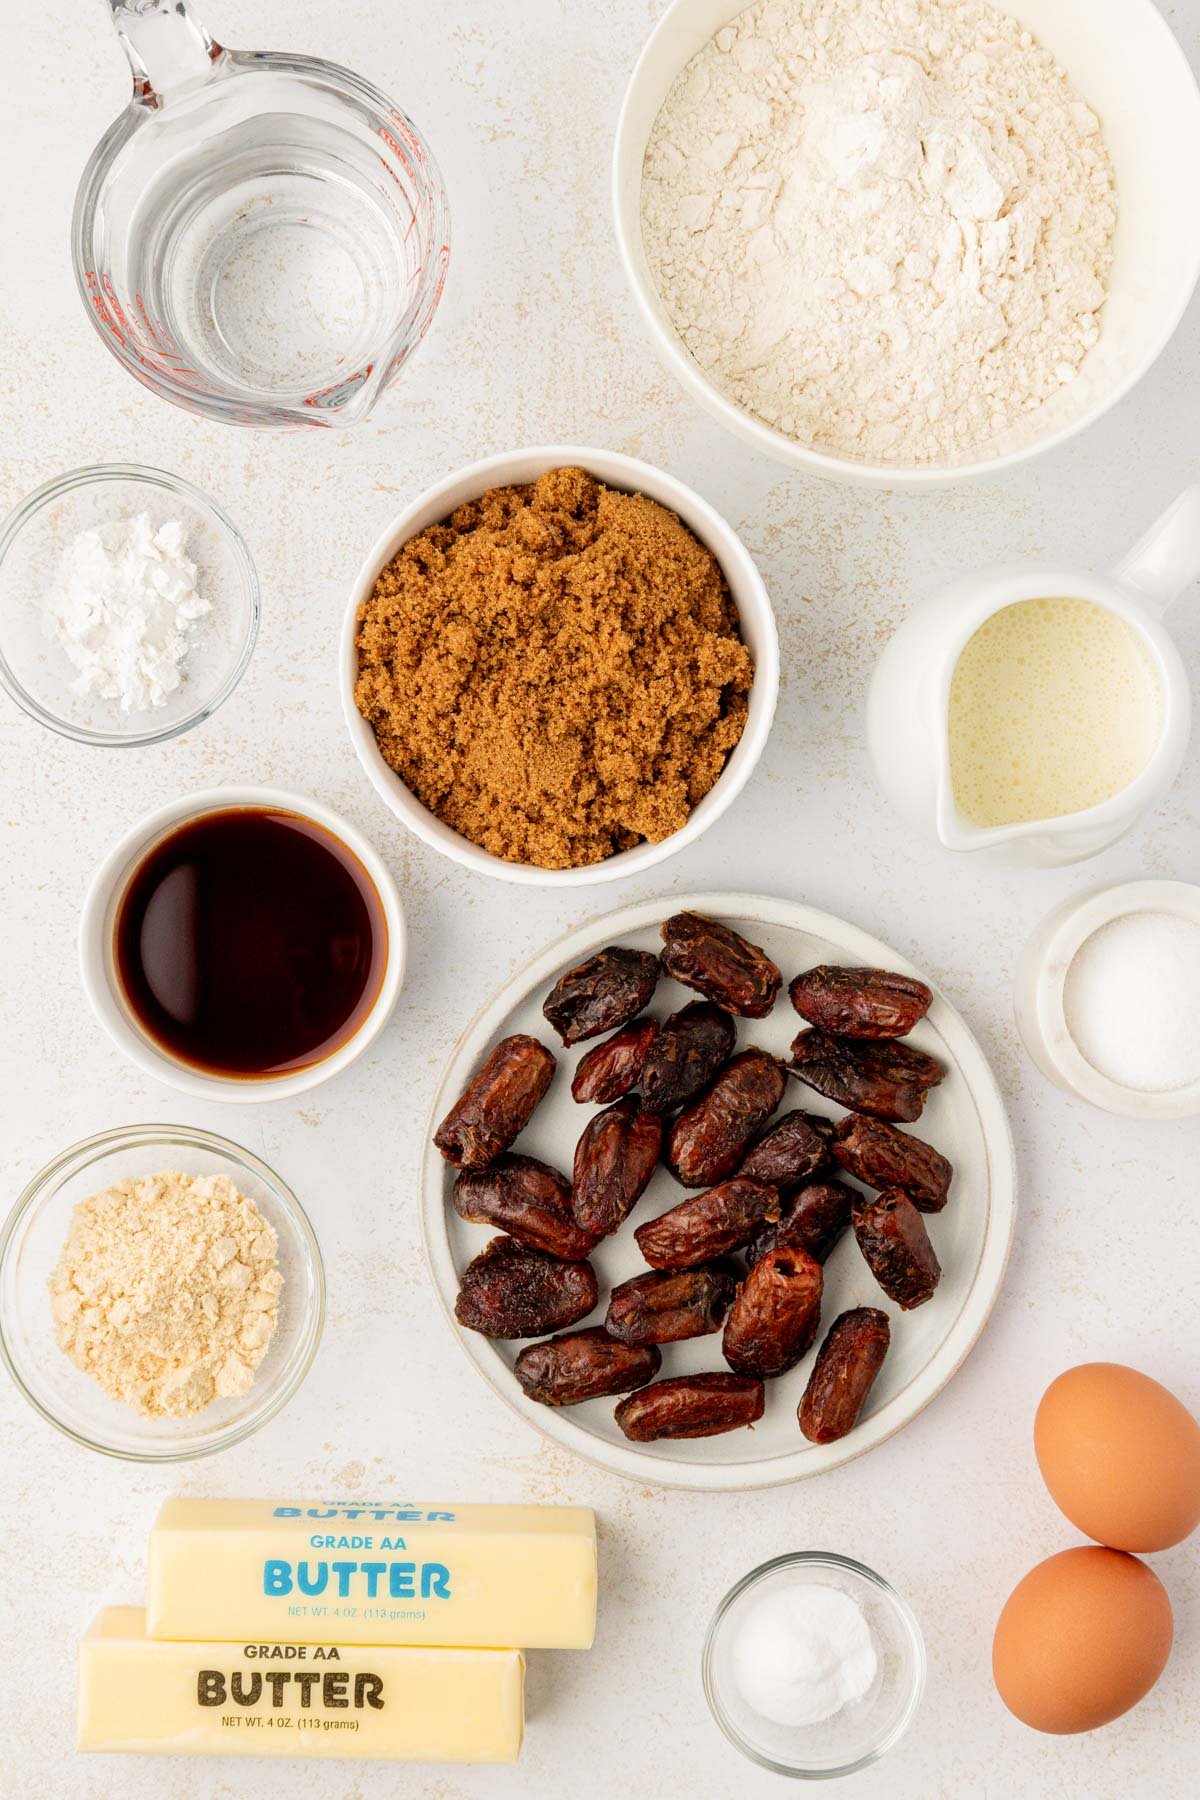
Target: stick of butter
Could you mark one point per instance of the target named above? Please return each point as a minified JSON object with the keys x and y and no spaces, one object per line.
{"x":373,"y":1574}
{"x":400,"y":1705}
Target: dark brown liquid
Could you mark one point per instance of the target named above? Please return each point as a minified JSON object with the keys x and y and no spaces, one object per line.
{"x":250,"y":942}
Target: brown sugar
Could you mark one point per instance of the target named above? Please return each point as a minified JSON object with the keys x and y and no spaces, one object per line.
{"x":555,"y":671}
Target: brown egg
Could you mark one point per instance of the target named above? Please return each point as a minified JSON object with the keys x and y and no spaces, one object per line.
{"x":1120,"y":1456}
{"x":1082,"y":1639}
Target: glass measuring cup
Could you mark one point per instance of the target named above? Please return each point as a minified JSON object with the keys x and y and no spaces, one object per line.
{"x":261,"y":238}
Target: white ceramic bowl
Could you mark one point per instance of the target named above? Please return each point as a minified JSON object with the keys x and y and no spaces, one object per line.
{"x":745,"y":585}
{"x":1041,"y":983}
{"x":1123,"y":60}
{"x":98,"y":969}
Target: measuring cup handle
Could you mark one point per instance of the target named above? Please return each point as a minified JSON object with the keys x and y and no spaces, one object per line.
{"x":167,"y":46}
{"x":1167,"y":559}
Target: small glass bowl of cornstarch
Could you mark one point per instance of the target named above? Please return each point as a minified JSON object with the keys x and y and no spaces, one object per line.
{"x":129,"y":605}
{"x":143,"y":1318}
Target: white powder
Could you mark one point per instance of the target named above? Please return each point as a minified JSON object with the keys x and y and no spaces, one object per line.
{"x":1132,"y":1001}
{"x":802,"y":1653}
{"x":123,"y":607}
{"x":883,"y":226}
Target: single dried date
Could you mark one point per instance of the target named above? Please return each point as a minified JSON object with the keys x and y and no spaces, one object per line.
{"x":613,"y":1068}
{"x":707,"y":1226}
{"x":791,"y":1152}
{"x":691,"y":1406}
{"x":529,"y":1200}
{"x":603,"y":993}
{"x":584,"y":1365}
{"x":496,"y":1104}
{"x":884,"y":1157}
{"x":844,"y":1374}
{"x":509,"y":1291}
{"x":667,"y":1306}
{"x":687,"y":1054}
{"x":892,"y":1237}
{"x":887,"y":1079}
{"x":708,"y":1140}
{"x":721,"y":964}
{"x":860,"y":1003}
{"x":614,"y":1161}
{"x":813,"y":1220}
{"x":773,"y":1321}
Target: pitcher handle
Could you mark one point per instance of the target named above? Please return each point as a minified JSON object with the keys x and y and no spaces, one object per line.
{"x":167,"y":46}
{"x":1167,"y":559}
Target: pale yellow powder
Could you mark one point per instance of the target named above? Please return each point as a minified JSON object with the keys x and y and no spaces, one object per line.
{"x":167,"y":1291}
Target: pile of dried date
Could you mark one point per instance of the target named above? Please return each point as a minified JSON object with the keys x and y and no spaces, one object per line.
{"x":677,"y":1092}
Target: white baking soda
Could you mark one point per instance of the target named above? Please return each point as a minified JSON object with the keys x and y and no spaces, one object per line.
{"x":802,"y":1653}
{"x":1132,"y":1001}
{"x":1055,"y":706}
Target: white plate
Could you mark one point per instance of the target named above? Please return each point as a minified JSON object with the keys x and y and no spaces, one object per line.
{"x":964,"y":1118}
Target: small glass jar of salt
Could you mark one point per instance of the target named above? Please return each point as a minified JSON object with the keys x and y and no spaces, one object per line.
{"x":1108,"y":998}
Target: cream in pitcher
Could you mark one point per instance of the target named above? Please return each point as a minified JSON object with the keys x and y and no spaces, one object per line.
{"x":1055,"y":706}
{"x":1032,"y":714}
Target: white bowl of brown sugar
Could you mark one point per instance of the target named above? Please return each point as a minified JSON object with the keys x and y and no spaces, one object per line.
{"x":559,"y":666}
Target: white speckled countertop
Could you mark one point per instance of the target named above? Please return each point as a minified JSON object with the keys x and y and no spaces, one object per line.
{"x":536,"y":341}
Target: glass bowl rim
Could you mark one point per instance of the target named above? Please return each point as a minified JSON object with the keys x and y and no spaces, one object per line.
{"x":88,"y":1150}
{"x":349,"y":86}
{"x":96,"y":474}
{"x":830,"y":1559}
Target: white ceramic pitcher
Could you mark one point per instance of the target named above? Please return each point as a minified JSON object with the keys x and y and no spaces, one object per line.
{"x":909,"y":702}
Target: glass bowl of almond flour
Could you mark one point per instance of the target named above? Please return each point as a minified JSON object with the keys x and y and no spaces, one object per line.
{"x":129,"y":606}
{"x":906,"y":242}
{"x":186,"y":1347}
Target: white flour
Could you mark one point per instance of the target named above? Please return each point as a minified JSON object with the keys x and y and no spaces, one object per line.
{"x":122,"y":609}
{"x":883,"y":226}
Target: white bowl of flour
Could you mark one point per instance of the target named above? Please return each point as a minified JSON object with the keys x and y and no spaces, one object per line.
{"x":903,"y":242}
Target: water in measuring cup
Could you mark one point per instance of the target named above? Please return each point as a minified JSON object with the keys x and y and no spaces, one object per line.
{"x":278,"y":262}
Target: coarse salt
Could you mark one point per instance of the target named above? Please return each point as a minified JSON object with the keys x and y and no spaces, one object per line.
{"x":1132,"y":1001}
